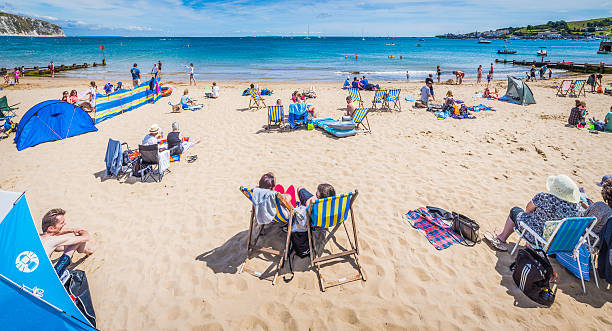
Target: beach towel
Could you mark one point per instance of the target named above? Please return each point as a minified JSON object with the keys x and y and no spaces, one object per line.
{"x":113,"y":157}
{"x":264,"y":202}
{"x":436,"y":231}
{"x":481,"y":107}
{"x":409,"y":98}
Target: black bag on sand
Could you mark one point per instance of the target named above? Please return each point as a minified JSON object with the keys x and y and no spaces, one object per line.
{"x":78,"y":288}
{"x":298,"y":245}
{"x":440,"y":213}
{"x":532,"y":273}
{"x":467,"y":228}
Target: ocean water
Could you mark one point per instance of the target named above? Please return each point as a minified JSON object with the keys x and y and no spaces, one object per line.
{"x":285,"y":58}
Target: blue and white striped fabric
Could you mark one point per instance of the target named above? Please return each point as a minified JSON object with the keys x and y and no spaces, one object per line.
{"x":329,"y":212}
{"x":111,"y":105}
{"x":567,"y":260}
{"x":568,"y":235}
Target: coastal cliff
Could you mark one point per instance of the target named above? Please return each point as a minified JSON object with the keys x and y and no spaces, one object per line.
{"x":16,"y":25}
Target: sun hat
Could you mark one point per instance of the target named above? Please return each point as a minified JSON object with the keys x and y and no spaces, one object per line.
{"x":154,"y":128}
{"x":563,"y":188}
{"x":604,"y":179}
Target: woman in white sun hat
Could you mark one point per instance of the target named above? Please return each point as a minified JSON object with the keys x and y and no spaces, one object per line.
{"x":561,"y":202}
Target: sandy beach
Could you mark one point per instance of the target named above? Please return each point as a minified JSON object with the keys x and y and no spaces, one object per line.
{"x":168,"y":253}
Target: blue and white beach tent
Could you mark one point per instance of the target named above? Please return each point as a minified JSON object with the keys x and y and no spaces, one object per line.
{"x":31,"y":295}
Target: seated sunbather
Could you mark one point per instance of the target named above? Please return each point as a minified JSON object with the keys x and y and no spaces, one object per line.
{"x":152,"y":136}
{"x":449,"y":100}
{"x":74,"y":98}
{"x":577,"y":114}
{"x":311,"y":93}
{"x":311,"y":108}
{"x":561,"y":202}
{"x":56,"y":238}
{"x":347,"y":84}
{"x":602,"y":211}
{"x":323,"y":191}
{"x":356,"y":84}
{"x":187,"y":103}
{"x":65,"y":96}
{"x":350,"y":106}
{"x":176,"y":144}
{"x":489,"y":94}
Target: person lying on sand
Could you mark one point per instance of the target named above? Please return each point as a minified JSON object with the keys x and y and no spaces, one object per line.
{"x":561,"y":202}
{"x":490,"y":95}
{"x":176,"y":144}
{"x":56,"y":238}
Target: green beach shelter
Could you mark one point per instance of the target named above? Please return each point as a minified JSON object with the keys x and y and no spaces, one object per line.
{"x":518,"y":92}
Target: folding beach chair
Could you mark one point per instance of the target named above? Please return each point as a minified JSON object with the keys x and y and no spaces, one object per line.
{"x":359,"y":115}
{"x":256,"y":101}
{"x":330,"y":213}
{"x":5,"y":109}
{"x":275,"y":116}
{"x":379,"y":97}
{"x":280,"y":218}
{"x":564,"y":87}
{"x":149,"y":163}
{"x":393,"y":95}
{"x":567,"y":238}
{"x":126,"y":158}
{"x":577,"y":89}
{"x":356,"y":96}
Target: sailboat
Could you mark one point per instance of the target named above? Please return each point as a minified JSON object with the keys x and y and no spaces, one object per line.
{"x":308,"y":35}
{"x":362,"y":38}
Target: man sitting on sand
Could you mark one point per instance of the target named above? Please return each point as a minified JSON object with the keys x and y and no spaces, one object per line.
{"x":176,"y":144}
{"x":56,"y":238}
{"x":425,"y":95}
{"x":350,"y":106}
{"x":346,"y":85}
{"x":152,"y":136}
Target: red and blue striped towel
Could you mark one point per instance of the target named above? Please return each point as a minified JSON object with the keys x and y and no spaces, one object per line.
{"x":436,"y":231}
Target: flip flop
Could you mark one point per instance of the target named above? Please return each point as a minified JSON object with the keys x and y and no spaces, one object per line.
{"x":495,"y":242}
{"x":192,"y":158}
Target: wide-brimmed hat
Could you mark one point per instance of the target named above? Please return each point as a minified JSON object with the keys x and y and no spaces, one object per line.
{"x":154,"y":128}
{"x":604,"y":179}
{"x":563,"y":188}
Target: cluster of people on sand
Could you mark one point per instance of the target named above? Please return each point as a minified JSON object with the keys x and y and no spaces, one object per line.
{"x":12,"y":77}
{"x":594,"y":81}
{"x":360,"y":84}
{"x":136,"y":76}
{"x":563,"y":200}
{"x":85,"y":100}
{"x":427,"y":93}
{"x":578,"y":118}
{"x":531,"y":74}
{"x":297,"y":97}
{"x":176,"y":144}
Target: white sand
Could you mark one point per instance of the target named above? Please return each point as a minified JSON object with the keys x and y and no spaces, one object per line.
{"x":168,"y":252}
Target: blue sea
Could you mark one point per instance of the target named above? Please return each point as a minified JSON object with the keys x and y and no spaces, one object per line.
{"x":286,"y":58}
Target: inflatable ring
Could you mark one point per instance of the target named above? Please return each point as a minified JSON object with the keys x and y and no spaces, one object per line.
{"x":165,"y":91}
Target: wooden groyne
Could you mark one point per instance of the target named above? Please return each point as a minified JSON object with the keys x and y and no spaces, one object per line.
{"x":46,"y":71}
{"x":569,"y":66}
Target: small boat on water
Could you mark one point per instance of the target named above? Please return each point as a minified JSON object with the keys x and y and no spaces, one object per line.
{"x":542,"y":52}
{"x":421,"y":39}
{"x":483,"y":41}
{"x":605,"y":47}
{"x":506,"y":51}
{"x":418,"y":45}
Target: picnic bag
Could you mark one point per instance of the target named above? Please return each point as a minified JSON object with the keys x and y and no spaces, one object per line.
{"x":466,"y":228}
{"x":532,"y":273}
{"x":299,"y":244}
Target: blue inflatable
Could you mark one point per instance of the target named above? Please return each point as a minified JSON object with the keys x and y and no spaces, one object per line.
{"x":51,"y":120}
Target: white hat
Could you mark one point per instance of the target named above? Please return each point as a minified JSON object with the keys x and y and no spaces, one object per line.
{"x":563,"y":188}
{"x":154,"y":128}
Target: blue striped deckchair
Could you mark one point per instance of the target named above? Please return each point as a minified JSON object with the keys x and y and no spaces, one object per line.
{"x":275,"y":116}
{"x":577,"y":89}
{"x":281,"y":218}
{"x":256,"y":101}
{"x":379,"y":97}
{"x":393,"y":95}
{"x":330,"y":213}
{"x":356,"y":96}
{"x":567,"y":238}
{"x":359,"y":115}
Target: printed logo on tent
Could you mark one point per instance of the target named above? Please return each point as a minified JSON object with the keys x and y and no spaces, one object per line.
{"x":26,"y":261}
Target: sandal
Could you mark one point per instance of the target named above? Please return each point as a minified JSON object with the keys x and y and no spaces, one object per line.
{"x":192,"y":158}
{"x":495,"y":242}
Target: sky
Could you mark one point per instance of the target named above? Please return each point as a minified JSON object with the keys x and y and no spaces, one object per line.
{"x":396,"y":18}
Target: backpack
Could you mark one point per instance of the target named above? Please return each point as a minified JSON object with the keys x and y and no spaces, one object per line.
{"x":299,"y":244}
{"x":532,"y":273}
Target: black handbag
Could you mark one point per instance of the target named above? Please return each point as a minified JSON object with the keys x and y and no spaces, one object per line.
{"x":466,"y":228}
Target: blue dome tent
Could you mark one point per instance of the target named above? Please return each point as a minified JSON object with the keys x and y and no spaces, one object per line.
{"x":51,"y":120}
{"x":31,"y":295}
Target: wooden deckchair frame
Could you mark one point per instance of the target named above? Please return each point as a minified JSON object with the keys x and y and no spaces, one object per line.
{"x":560,"y":91}
{"x":252,"y":247}
{"x":256,"y":101}
{"x":572,"y":91}
{"x":381,"y":100}
{"x":316,"y":261}
{"x":366,"y":125}
{"x":279,"y":122}
{"x":396,"y":103}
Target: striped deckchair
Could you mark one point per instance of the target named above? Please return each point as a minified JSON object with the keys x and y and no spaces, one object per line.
{"x":577,"y":89}
{"x":393,"y":96}
{"x":330,"y":213}
{"x":564,"y":87}
{"x":356,"y":96}
{"x":256,"y":101}
{"x":275,"y":116}
{"x":567,"y":238}
{"x":359,"y":115}
{"x":379,"y":97}
{"x":281,"y":218}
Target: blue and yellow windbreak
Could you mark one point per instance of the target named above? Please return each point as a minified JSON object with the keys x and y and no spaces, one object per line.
{"x":118,"y":102}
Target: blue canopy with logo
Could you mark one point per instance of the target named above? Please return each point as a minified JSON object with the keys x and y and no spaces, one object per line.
{"x":31,"y":295}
